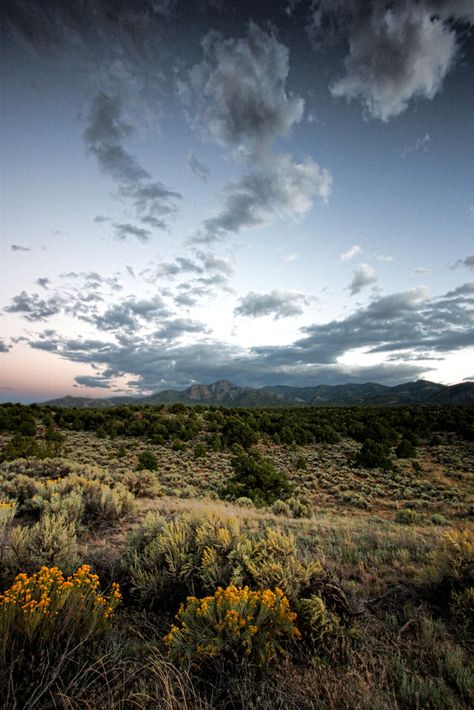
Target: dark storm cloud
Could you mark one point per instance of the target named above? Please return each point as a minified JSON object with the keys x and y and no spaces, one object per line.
{"x":407,"y":322}
{"x":154,"y":364}
{"x":397,"y":51}
{"x":18,"y":247}
{"x":92,"y":381}
{"x":280,"y":187}
{"x":277,"y":303}
{"x":237,"y":93}
{"x":197,"y":168}
{"x":123,"y":231}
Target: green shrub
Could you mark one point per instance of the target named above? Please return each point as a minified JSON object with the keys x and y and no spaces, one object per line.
{"x":279,"y":507}
{"x":234,"y":623}
{"x":317,"y":623}
{"x":200,"y":451}
{"x":171,"y":559}
{"x":244,"y":502}
{"x":405,"y":450}
{"x":373,"y":454}
{"x":406,"y":516}
{"x":51,"y":541}
{"x":462,"y":607}
{"x":256,"y":478}
{"x":142,"y":484}
{"x":147,"y":460}
{"x":298,"y":508}
{"x":438,"y":519}
{"x":238,"y":432}
{"x":85,"y":500}
{"x":168,"y":560}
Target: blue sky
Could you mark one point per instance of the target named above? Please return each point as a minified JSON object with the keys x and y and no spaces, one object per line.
{"x":279,"y":197}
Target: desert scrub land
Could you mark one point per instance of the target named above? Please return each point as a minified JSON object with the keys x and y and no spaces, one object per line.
{"x":178,"y":557}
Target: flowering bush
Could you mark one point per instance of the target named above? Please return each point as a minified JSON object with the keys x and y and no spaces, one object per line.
{"x":234,"y":622}
{"x":45,"y":607}
{"x":7,"y":512}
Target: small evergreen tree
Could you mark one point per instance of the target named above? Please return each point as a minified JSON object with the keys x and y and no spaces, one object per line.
{"x":147,"y":460}
{"x":373,"y":454}
{"x":256,"y":478}
{"x":405,"y":450}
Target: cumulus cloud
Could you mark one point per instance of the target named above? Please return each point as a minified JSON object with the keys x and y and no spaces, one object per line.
{"x":237,"y":93}
{"x":92,"y":381}
{"x":397,"y":51}
{"x":408,"y":322}
{"x":3,"y":346}
{"x":197,"y":168}
{"x":351,"y":252}
{"x":280,"y":187}
{"x":34,"y":308}
{"x":131,"y":314}
{"x":177,"y":327}
{"x":277,"y":303}
{"x":207,"y":273}
{"x":364,"y":275}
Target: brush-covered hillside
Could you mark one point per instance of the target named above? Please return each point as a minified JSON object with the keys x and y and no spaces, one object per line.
{"x":214,"y":557}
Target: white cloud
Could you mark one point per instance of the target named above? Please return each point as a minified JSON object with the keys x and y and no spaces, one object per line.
{"x":364,"y":275}
{"x":237,"y":93}
{"x":352,"y":251}
{"x":277,"y":303}
{"x":397,"y":51}
{"x":280,"y":187}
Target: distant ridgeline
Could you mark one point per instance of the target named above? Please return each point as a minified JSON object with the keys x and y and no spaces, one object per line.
{"x":225,"y":393}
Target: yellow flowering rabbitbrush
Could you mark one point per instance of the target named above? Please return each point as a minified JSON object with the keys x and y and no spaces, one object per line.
{"x":45,"y":606}
{"x":7,"y":512}
{"x":234,"y":622}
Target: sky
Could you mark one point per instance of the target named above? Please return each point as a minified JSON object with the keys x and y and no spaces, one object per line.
{"x":270,"y":193}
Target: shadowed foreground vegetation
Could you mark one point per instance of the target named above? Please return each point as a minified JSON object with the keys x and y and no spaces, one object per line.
{"x":214,"y":558}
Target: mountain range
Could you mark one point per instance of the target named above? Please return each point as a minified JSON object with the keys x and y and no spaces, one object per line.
{"x":225,"y":393}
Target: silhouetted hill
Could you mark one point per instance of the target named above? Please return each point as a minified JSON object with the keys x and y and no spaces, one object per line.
{"x":225,"y":393}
